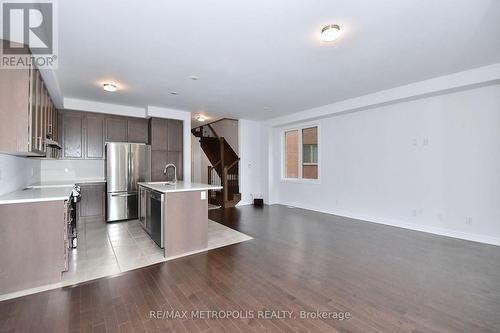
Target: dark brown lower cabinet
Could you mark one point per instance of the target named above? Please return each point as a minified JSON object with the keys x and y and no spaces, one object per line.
{"x":93,"y":201}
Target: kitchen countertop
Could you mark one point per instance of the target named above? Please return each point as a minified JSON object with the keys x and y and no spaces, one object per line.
{"x":179,"y":186}
{"x":37,"y":195}
{"x":59,"y":183}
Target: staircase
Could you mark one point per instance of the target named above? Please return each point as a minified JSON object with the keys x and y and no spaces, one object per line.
{"x":224,"y":168}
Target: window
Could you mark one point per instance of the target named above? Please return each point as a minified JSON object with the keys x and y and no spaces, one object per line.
{"x":292,"y":154}
{"x":301,"y":153}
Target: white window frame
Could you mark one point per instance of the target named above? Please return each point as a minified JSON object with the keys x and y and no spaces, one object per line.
{"x":299,"y":128}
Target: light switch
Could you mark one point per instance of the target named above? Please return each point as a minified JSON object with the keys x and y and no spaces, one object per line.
{"x":203,"y":195}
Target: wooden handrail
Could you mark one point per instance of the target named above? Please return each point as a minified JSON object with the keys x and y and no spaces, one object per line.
{"x":232,"y":164}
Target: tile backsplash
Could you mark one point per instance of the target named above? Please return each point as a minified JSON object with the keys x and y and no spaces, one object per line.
{"x":72,"y":169}
{"x":17,"y":172}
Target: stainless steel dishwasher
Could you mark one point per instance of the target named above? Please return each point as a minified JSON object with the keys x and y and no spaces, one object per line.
{"x":157,"y":200}
{"x":151,"y":213}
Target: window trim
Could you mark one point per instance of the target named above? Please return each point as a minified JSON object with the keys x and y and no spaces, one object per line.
{"x":299,"y":179}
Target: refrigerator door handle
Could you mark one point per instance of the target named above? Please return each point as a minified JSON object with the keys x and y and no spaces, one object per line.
{"x":123,"y":194}
{"x":131,"y":172}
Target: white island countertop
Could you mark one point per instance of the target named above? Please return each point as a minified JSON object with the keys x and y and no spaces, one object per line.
{"x":180,"y":186}
{"x":37,"y":195}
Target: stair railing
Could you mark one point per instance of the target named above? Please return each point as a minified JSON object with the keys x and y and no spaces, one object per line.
{"x":213,"y":179}
{"x":229,"y":174}
{"x":230,"y":180}
{"x":205,"y":131}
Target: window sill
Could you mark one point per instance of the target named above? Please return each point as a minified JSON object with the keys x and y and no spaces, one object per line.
{"x":301,"y":181}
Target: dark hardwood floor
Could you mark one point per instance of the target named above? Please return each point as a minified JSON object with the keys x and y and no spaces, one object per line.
{"x":388,"y":279}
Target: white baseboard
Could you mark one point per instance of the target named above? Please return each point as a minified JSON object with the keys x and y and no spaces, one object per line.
{"x":485,"y":239}
{"x":244,"y":203}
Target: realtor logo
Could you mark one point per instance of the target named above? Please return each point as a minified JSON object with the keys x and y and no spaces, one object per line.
{"x":28,"y":29}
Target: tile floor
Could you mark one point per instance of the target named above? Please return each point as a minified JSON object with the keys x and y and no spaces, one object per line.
{"x":108,"y":249}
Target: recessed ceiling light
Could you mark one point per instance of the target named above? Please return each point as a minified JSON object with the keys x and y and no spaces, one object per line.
{"x":194,"y":77}
{"x":174,"y":93}
{"x":330,"y":33}
{"x":109,"y":87}
{"x":201,"y":118}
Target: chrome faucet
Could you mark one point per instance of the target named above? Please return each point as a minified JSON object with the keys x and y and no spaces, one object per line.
{"x":175,"y":171}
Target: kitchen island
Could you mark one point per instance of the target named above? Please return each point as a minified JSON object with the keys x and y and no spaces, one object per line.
{"x":175,"y":215}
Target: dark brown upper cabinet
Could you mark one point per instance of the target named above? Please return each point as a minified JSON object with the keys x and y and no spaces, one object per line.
{"x":174,"y":135}
{"x":138,"y":130}
{"x":94,"y":138}
{"x":27,"y":113}
{"x":116,"y":129}
{"x":166,"y":137}
{"x":72,"y":135}
{"x":158,"y":134}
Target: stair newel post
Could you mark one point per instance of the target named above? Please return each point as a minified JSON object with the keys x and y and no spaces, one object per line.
{"x":224,"y":170}
{"x":226,"y":188}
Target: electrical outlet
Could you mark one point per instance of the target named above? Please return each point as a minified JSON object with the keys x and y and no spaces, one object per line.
{"x":468,"y":220}
{"x":203,"y":195}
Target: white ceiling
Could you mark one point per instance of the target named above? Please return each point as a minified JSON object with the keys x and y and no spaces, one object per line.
{"x":250,"y":55}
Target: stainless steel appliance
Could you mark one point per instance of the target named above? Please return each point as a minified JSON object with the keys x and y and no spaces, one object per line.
{"x":70,"y":226}
{"x":151,"y":214}
{"x":126,"y":164}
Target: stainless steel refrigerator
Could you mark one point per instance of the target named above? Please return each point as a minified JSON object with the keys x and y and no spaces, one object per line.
{"x":126,"y":164}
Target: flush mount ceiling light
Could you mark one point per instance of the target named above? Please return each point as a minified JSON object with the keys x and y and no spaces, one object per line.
{"x":330,"y":33}
{"x":174,"y":93}
{"x":201,"y":118}
{"x":194,"y":77}
{"x":109,"y":87}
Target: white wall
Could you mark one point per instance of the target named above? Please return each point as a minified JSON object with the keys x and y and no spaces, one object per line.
{"x":431,"y":164}
{"x":51,"y":170}
{"x":17,"y":172}
{"x":253,"y":164}
{"x":199,"y":162}
{"x":99,"y":107}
